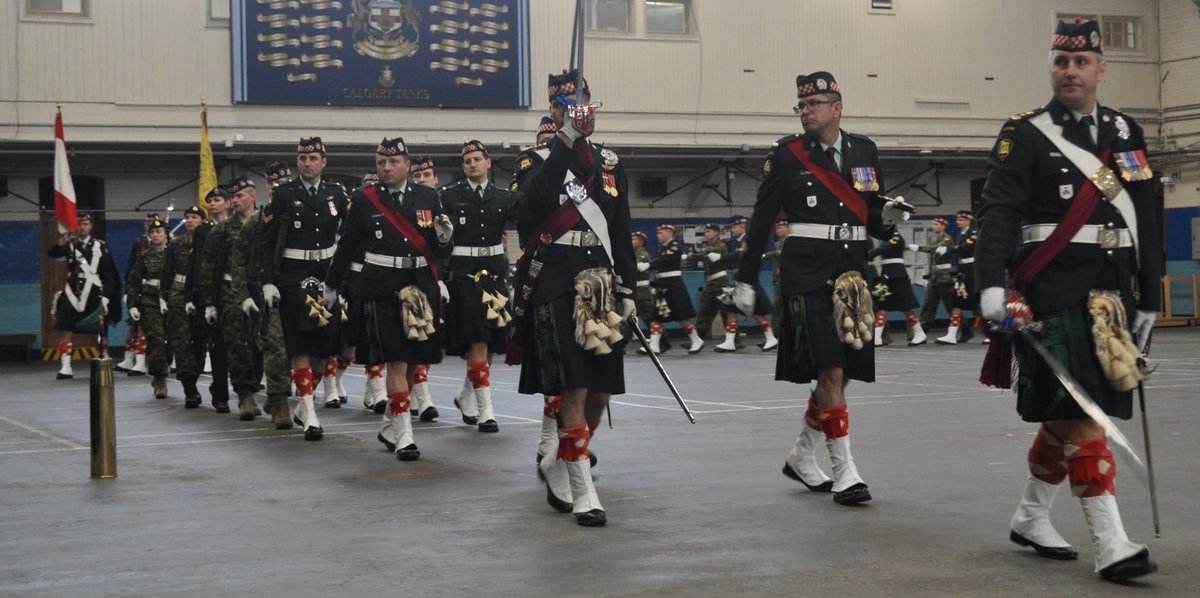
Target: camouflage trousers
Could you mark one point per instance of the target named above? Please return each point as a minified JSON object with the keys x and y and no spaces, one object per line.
{"x":187,"y":346}
{"x":710,"y":305}
{"x":275,"y":364}
{"x":245,"y":362}
{"x":154,"y":326}
{"x":941,"y":291}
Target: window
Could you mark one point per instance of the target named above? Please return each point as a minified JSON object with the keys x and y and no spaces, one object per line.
{"x":608,"y":15}
{"x":1120,"y":33}
{"x":666,"y":17}
{"x":56,"y":7}
{"x":881,"y":5}
{"x":218,"y":10}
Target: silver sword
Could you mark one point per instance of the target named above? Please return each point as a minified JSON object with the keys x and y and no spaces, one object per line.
{"x":665,"y":376}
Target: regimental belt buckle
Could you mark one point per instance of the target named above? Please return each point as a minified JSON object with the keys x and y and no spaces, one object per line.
{"x":589,"y":239}
{"x":1110,"y":238}
{"x":843,"y":233}
{"x":1108,"y":183}
{"x":576,"y":191}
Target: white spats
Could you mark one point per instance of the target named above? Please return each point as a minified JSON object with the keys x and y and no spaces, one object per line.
{"x":375,"y":391}
{"x":483,"y":402}
{"x":1031,"y":521}
{"x":583,"y":492}
{"x":918,"y":337}
{"x":465,"y":399}
{"x":845,"y":474}
{"x":1109,"y":542}
{"x":557,"y":478}
{"x":951,"y":337}
{"x":803,"y":457}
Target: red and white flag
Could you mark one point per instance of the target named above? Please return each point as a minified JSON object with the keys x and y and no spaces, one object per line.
{"x":64,"y":189}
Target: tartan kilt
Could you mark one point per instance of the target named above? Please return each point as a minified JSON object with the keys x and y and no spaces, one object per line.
{"x":808,"y":342}
{"x":381,"y":337}
{"x":677,"y":299}
{"x":1067,"y":335}
{"x":902,"y":298}
{"x":301,"y":335}
{"x":352,"y":331}
{"x":89,"y":321}
{"x":465,"y":321}
{"x":554,"y":361}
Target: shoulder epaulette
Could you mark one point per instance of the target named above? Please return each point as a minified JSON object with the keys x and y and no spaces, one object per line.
{"x":786,"y":140}
{"x":1027,"y":114}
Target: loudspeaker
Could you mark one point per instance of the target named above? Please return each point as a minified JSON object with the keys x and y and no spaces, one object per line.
{"x":653,"y":186}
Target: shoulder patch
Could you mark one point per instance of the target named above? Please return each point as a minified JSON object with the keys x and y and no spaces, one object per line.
{"x":1003,"y":148}
{"x":525,"y":163}
{"x":893,"y":241}
{"x":767,"y":164}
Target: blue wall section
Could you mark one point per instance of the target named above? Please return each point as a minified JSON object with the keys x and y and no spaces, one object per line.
{"x":1177,"y":225}
{"x":20,"y":247}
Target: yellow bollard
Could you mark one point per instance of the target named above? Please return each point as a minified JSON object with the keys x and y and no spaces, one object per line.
{"x":104,"y":423}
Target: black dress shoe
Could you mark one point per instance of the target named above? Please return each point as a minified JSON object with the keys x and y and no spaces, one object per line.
{"x":343,"y":399}
{"x":192,"y":402}
{"x":429,"y":414}
{"x":852,"y":495}
{"x":333,"y":404}
{"x":391,"y":446}
{"x":467,"y":419}
{"x":64,"y":376}
{"x":592,"y":458}
{"x":592,"y":518}
{"x":489,"y":426}
{"x":221,"y":405}
{"x":1058,"y":553}
{"x":380,"y":407}
{"x":825,"y":486}
{"x":408,"y":453}
{"x":1129,"y":568}
{"x":313,"y":433}
{"x":555,"y":502}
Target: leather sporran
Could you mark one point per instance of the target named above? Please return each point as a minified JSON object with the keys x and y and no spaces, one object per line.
{"x":597,"y":324}
{"x":853,"y":313}
{"x":416,"y":313}
{"x":1114,"y":345}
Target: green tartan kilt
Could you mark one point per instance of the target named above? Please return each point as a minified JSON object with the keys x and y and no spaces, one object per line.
{"x":809,"y":342}
{"x":1067,"y":335}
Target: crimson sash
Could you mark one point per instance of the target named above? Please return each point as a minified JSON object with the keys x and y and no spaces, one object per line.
{"x":405,"y":227}
{"x":997,"y":364}
{"x":832,"y":181}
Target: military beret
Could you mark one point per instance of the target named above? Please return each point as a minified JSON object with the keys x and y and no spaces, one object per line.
{"x":940,"y":220}
{"x":546,"y":126}
{"x":309,"y":145}
{"x":421,"y":162}
{"x":560,"y":86}
{"x":83,"y":217}
{"x":817,"y":83}
{"x":1077,"y":36}
{"x":474,"y":145}
{"x":964,"y":214}
{"x":670,"y":227}
{"x":639,"y":234}
{"x":275,"y":170}
{"x":712,"y":227}
{"x":392,"y":146}
{"x":738,"y":219}
{"x":370,"y":177}
{"x":156,"y":223}
{"x":217,"y":192}
{"x":194,"y":210}
{"x":238,"y":183}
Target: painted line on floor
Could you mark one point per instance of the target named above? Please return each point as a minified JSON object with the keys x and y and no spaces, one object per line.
{"x":42,"y":433}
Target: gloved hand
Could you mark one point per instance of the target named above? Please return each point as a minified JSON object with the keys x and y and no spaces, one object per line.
{"x":713,"y":256}
{"x":135,"y":314}
{"x":331,"y":297}
{"x":991,"y":304}
{"x":210,"y":315}
{"x":628,"y":309}
{"x":189,"y":308}
{"x":444,"y":290}
{"x":892,"y":213}
{"x":104,"y":301}
{"x":248,"y":306}
{"x":443,"y":229}
{"x":913,"y":247}
{"x":941,"y":250}
{"x":743,"y":298}
{"x":1143,"y":323}
{"x":643,"y":266}
{"x":162,"y":306}
{"x":271,"y":295}
{"x":580,"y":122}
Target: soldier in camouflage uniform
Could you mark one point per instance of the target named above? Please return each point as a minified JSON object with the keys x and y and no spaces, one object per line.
{"x":147,"y":302}
{"x":644,"y":293}
{"x":941,"y":278}
{"x":711,"y":256}
{"x":267,"y":329}
{"x":775,"y":257}
{"x":226,"y":306}
{"x":186,"y":347}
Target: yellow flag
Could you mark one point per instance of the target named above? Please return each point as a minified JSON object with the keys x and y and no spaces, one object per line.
{"x":208,"y":171}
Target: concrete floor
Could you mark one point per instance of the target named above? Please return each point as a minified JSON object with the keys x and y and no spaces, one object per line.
{"x":207,"y":505}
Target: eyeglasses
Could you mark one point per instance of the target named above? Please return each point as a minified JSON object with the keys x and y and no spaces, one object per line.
{"x":810,"y":105}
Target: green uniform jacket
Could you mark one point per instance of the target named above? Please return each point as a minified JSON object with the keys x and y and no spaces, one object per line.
{"x":150,"y":273}
{"x":216,"y":264}
{"x":944,"y":274}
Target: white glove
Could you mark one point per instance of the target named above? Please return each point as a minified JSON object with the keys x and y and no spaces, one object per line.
{"x":743,"y":298}
{"x":443,"y":229}
{"x":580,"y":122}
{"x":892,"y":213}
{"x":162,"y":306}
{"x":248,"y":306}
{"x":271,"y":295}
{"x":444,"y":290}
{"x":189,"y":308}
{"x":913,"y":247}
{"x":210,"y":315}
{"x":628,"y":309}
{"x":331,"y":297}
{"x":941,"y":250}
{"x":713,"y":256}
{"x":135,"y":314}
{"x":1143,"y":323}
{"x":991,"y":304}
{"x":643,"y":266}
{"x":104,"y":301}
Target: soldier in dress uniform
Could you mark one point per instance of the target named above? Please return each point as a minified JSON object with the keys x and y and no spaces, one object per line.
{"x":776,"y":258}
{"x":300,"y":226}
{"x":893,"y":291}
{"x":375,"y":393}
{"x":546,"y":131}
{"x":423,"y":172}
{"x":710,"y":256}
{"x":1102,"y":245}
{"x":146,"y":297}
{"x":134,"y":361}
{"x":574,"y":288}
{"x":644,"y":295}
{"x":673,"y":295}
{"x":826,"y":182}
{"x":478,"y":313}
{"x":186,"y":347}
{"x":400,"y":230}
{"x":90,"y":301}
{"x":762,"y":307}
{"x":965,"y":297}
{"x":266,"y":336}
{"x":940,"y":281}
